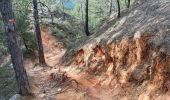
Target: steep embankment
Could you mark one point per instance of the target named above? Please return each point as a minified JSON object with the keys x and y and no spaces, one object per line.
{"x":135,"y":51}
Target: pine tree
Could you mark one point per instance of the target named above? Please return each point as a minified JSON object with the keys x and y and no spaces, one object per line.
{"x":86,"y":27}
{"x":127,"y":3}
{"x":110,"y":7}
{"x":118,"y":6}
{"x":38,"y":33}
{"x":14,"y":46}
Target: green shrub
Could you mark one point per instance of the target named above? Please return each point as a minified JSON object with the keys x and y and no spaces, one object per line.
{"x":23,"y":27}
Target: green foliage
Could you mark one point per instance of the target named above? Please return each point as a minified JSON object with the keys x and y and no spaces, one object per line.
{"x":57,"y":32}
{"x":30,"y":40}
{"x":3,"y":45}
{"x":7,"y":81}
{"x":23,"y":29}
{"x":22,"y":22}
{"x":98,"y":11}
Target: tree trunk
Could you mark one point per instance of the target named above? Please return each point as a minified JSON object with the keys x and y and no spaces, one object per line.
{"x":64,"y":17}
{"x":86,"y":27}
{"x":38,"y":33}
{"x":82,"y":15}
{"x":118,"y":6}
{"x":26,"y":46}
{"x":14,"y":47}
{"x":110,"y":8}
{"x":127,"y":3}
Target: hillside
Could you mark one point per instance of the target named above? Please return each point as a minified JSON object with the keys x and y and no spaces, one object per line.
{"x":134,"y":51}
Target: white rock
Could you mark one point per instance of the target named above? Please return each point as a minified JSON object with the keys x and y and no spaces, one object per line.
{"x":137,"y":35}
{"x":11,"y":66}
{"x":15,"y":97}
{"x":59,"y":89}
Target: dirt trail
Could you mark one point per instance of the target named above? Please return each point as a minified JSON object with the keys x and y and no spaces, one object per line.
{"x":42,"y":83}
{"x":39,"y":76}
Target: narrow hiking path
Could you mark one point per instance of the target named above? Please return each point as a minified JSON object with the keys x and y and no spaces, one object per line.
{"x":76,"y":86}
{"x":40,"y":75}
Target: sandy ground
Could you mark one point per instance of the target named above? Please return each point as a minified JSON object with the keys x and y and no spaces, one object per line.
{"x":78,"y":85}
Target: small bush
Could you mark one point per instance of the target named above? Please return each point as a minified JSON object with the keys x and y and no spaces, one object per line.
{"x":23,"y":27}
{"x":8,"y":84}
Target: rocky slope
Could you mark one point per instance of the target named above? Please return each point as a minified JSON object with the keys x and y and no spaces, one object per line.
{"x":134,"y":50}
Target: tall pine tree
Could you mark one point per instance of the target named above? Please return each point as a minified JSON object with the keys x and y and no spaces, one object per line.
{"x":38,"y":33}
{"x":14,"y":46}
{"x":86,"y":26}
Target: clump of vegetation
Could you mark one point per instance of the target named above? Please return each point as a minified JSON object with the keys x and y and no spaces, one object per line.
{"x":3,"y":47}
{"x":8,"y":84}
{"x":23,"y":29}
